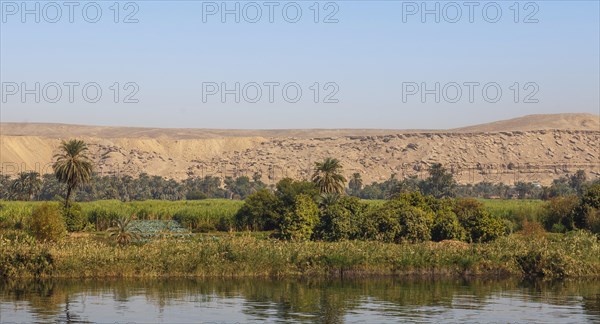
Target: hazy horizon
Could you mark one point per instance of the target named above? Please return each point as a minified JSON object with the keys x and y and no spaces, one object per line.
{"x":276,"y":129}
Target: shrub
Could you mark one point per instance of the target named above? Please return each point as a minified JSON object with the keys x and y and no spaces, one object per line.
{"x":543,"y":263}
{"x":195,"y":195}
{"x":479,"y":224}
{"x":415,"y":224}
{"x":592,"y":220}
{"x":533,"y":229}
{"x":226,"y":224}
{"x":558,"y":228}
{"x":24,"y":257}
{"x":300,"y":222}
{"x":446,"y":226}
{"x":341,"y":220}
{"x":416,"y":199}
{"x":123,"y":233}
{"x":586,"y":214}
{"x":47,"y":222}
{"x":75,"y":219}
{"x":561,"y":210}
{"x":259,"y":212}
{"x":335,"y":223}
{"x":381,"y":224}
{"x":288,"y":190}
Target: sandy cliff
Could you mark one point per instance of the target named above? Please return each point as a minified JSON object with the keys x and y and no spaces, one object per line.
{"x":531,"y":148}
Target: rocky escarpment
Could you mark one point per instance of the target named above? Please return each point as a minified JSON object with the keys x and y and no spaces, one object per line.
{"x":507,"y":156}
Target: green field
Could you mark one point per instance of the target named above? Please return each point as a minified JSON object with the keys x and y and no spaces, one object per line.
{"x":196,"y":215}
{"x":217,"y":214}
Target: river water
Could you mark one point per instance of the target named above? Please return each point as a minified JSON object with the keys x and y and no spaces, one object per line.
{"x":315,"y":301}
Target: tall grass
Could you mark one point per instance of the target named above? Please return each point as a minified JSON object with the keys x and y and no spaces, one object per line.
{"x":516,"y":211}
{"x":199,"y":215}
{"x":576,"y":254}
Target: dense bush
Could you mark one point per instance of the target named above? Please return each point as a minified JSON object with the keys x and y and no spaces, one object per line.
{"x":341,"y":220}
{"x":542,"y":263}
{"x":259,"y":212}
{"x":335,"y":223}
{"x":300,"y":222}
{"x":406,"y":217}
{"x":480,"y":225}
{"x":560,"y":214}
{"x":196,"y":195}
{"x":592,"y":220}
{"x":381,"y":224}
{"x":288,"y":189}
{"x":415,"y":199}
{"x":75,"y":219}
{"x":24,"y":257}
{"x":415,"y":224}
{"x":446,"y":226}
{"x":47,"y":223}
{"x":587,"y":213}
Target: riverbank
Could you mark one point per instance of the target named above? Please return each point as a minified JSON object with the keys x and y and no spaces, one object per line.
{"x":572,"y":255}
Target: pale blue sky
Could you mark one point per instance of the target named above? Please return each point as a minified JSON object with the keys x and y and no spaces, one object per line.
{"x":369,"y":54}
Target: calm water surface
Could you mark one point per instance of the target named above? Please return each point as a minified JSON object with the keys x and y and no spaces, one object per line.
{"x":348,"y":301}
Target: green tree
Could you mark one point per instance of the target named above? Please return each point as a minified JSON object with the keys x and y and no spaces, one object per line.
{"x":440,"y":182}
{"x":26,"y":186}
{"x":577,"y":180}
{"x":355,"y":184}
{"x":72,"y":167}
{"x":415,"y":224}
{"x":300,"y":222}
{"x":524,"y":189}
{"x":342,"y":219}
{"x":446,"y":226}
{"x":560,"y":187}
{"x":586,"y":214}
{"x":560,"y":213}
{"x":259,"y":212}
{"x":288,"y":189}
{"x":480,"y":225}
{"x":328,"y":176}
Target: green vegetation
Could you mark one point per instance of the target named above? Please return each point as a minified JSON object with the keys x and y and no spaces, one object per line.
{"x":408,"y":217}
{"x":72,"y":166}
{"x":328,"y":176}
{"x":47,"y":223}
{"x":197,"y":216}
{"x":122,"y":232}
{"x":576,"y":254}
{"x":307,"y":227}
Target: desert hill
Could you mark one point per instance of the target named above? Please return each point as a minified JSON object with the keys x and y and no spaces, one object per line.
{"x":532,"y":148}
{"x":540,"y":122}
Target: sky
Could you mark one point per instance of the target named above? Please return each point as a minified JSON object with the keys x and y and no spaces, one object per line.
{"x":296,"y":64}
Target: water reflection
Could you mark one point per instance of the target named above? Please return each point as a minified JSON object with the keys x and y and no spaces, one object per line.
{"x":253,"y":300}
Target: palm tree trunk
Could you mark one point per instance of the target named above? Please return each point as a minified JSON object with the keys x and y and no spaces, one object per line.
{"x":68,"y":196}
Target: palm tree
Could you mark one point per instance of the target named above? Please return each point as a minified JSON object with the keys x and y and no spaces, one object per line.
{"x":355,"y":184}
{"x":327,"y":176}
{"x":122,"y":231}
{"x":26,"y":186}
{"x":72,"y":167}
{"x":328,"y":199}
